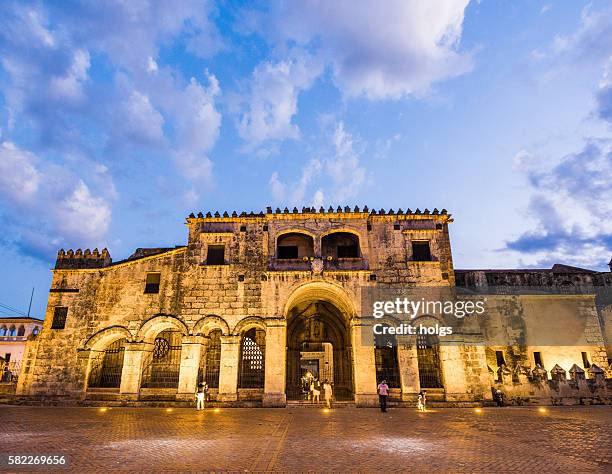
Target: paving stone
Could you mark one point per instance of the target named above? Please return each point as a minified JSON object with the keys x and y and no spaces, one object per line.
{"x":562,"y":439}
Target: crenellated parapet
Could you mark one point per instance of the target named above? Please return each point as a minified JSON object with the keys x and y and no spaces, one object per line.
{"x":310,"y":212}
{"x":82,"y":259}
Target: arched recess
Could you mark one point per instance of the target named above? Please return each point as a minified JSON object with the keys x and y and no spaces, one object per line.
{"x":102,"y":338}
{"x":341,"y":243}
{"x":252,"y":368}
{"x":386,"y":357}
{"x":323,"y":291}
{"x":106,"y":357}
{"x":318,"y":339}
{"x":21,"y":330}
{"x":294,"y":245}
{"x":428,"y":354}
{"x":153,"y":326}
{"x":210,"y":323}
{"x":248,"y":323}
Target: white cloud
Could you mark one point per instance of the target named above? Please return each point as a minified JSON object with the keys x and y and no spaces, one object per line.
{"x":81,"y":215}
{"x":69,"y":86}
{"x":46,"y":205}
{"x":197,"y":123}
{"x":272,"y":99}
{"x":141,"y":122}
{"x":296,"y":196}
{"x":339,"y":167}
{"x":381,"y":50}
{"x":19,"y":179}
{"x":344,"y":166}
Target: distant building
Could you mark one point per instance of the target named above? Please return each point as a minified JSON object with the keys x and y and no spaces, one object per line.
{"x":14,"y":333}
{"x":258,"y":304}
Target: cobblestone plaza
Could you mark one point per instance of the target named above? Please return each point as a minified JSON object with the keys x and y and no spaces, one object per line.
{"x":552,"y":439}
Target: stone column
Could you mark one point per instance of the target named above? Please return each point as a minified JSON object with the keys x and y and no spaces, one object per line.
{"x":228,"y":372}
{"x":408,"y":369}
{"x":364,"y":363}
{"x":453,"y":371}
{"x":275,"y":364}
{"x":191,"y":351}
{"x":131,"y":374}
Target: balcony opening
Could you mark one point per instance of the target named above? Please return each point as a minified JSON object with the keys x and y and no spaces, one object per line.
{"x":340,"y":245}
{"x":294,"y":245}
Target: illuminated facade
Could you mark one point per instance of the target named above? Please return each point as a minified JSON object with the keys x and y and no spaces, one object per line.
{"x":256,"y":304}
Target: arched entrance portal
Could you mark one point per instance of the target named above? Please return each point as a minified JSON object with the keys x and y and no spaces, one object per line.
{"x":318,"y":346}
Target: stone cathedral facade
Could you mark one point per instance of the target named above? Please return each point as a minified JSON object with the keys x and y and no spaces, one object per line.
{"x":256,"y":304}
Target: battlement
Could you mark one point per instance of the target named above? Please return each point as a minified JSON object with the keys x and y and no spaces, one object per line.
{"x":80,"y":259}
{"x":312,"y":212}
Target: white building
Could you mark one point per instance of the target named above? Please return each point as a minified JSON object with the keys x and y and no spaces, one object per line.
{"x":14,"y":333}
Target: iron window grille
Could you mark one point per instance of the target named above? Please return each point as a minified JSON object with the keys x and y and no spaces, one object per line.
{"x":163,"y":363}
{"x":428,"y":356}
{"x":252,"y":359}
{"x":107,"y":368}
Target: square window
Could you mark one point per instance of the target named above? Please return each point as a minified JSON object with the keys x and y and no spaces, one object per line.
{"x":152,"y":283}
{"x":421,"y":251}
{"x":287,"y":251}
{"x":396,"y":227}
{"x":537,"y":359}
{"x":59,"y":317}
{"x":215,"y":255}
{"x":242,"y":228}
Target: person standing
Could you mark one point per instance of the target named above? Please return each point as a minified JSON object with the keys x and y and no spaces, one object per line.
{"x":201,"y":395}
{"x":383,"y":393}
{"x":327,"y":393}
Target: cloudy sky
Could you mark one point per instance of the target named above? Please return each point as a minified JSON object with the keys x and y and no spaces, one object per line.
{"x":118,"y":118}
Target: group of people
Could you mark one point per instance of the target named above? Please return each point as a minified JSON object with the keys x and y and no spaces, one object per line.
{"x":383,"y":395}
{"x":314,"y":392}
{"x":314,"y":395}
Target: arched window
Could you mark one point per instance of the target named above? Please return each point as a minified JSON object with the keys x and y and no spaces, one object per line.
{"x":36,"y":330}
{"x":211,"y":363}
{"x":161,"y":369}
{"x":3,"y":331}
{"x":12,"y":331}
{"x":21,"y":330}
{"x":106,"y":369}
{"x":340,"y":245}
{"x":428,"y":356}
{"x":252,"y":359}
{"x":387,"y":363}
{"x":294,"y":245}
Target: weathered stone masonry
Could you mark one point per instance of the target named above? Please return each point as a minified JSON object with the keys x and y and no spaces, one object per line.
{"x":247,"y":302}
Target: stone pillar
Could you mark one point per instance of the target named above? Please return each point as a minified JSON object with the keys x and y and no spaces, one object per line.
{"x":408,"y":369}
{"x":228,"y":372}
{"x":275,"y":364}
{"x":453,"y":372}
{"x":191,"y":350}
{"x":364,"y":363}
{"x":131,"y":374}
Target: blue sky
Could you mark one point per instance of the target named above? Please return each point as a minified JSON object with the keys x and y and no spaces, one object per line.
{"x":118,"y":119}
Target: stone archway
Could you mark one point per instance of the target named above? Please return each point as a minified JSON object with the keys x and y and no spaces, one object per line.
{"x":318,"y":345}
